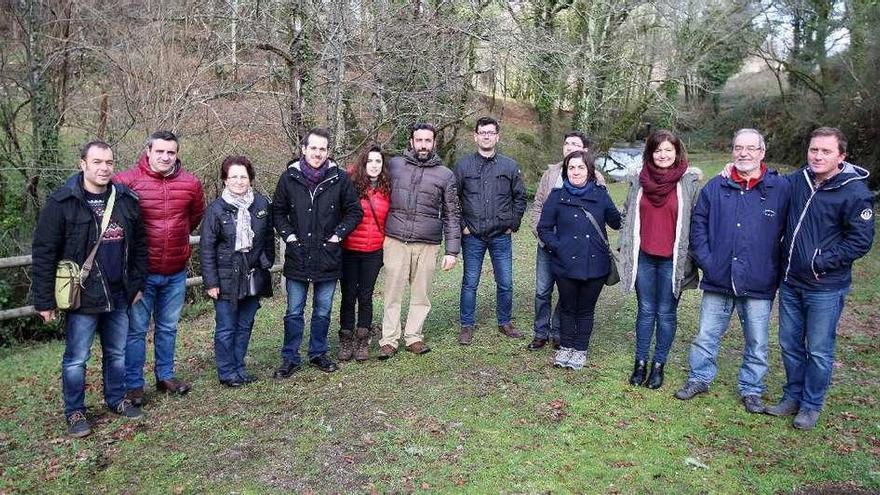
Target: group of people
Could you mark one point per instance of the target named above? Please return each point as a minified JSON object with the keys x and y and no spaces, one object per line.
{"x":748,"y":230}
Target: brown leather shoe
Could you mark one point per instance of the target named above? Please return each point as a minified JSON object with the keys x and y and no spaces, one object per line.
{"x":508,"y":330}
{"x":418,"y":347}
{"x":136,"y":396}
{"x":173,"y":386}
{"x":362,"y":344}
{"x":466,"y":335}
{"x":386,"y":351}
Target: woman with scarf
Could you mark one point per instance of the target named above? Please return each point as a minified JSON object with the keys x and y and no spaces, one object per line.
{"x":572,"y":228}
{"x":237,"y":249}
{"x":362,"y":254}
{"x":654,"y":255}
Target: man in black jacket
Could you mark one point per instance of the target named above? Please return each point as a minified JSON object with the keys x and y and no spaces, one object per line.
{"x":493,"y":201}
{"x":68,"y":229}
{"x":315,"y":206}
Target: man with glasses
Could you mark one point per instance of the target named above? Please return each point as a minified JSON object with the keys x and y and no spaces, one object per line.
{"x":493,"y":201}
{"x":736,"y":233}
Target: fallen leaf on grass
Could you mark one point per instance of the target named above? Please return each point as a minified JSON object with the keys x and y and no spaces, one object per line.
{"x":695,"y":463}
{"x":622,"y":464}
{"x":849,"y":416}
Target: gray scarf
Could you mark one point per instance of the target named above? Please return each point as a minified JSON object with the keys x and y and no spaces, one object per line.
{"x":244,"y":235}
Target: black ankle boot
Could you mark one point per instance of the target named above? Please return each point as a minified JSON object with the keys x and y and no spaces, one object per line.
{"x":655,"y":380}
{"x":640,"y":371}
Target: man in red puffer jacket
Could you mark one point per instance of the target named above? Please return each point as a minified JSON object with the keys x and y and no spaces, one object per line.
{"x":172,"y":203}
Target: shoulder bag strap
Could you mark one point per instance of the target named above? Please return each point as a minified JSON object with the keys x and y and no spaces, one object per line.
{"x":105,"y":222}
{"x":596,"y":226}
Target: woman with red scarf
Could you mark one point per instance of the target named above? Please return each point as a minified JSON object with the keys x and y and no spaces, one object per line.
{"x":654,"y":249}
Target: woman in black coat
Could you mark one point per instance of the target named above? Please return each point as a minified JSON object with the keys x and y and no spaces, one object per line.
{"x":578,"y":250}
{"x":237,"y":250}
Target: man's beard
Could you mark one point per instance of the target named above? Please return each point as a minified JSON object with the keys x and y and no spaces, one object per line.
{"x":746,"y":167}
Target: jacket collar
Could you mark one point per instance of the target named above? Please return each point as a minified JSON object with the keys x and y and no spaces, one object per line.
{"x":432,"y":161}
{"x":848,"y":173}
{"x":144,"y":164}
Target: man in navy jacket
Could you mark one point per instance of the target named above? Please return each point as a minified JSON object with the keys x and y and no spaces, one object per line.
{"x":736,"y":230}
{"x":830,"y":224}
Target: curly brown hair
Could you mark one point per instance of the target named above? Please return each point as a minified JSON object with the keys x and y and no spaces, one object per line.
{"x":358,"y":172}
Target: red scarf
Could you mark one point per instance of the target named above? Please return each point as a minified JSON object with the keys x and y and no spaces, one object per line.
{"x":657,"y":183}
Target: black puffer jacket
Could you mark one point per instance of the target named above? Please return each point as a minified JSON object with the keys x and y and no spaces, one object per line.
{"x":492,"y":194}
{"x":222,"y":266}
{"x":314,"y":218}
{"x":424,"y":202}
{"x":67,"y":230}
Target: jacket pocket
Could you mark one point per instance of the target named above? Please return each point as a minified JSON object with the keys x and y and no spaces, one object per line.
{"x":331,"y":256}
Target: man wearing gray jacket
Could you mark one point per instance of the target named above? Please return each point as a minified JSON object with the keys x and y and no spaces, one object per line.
{"x":424,"y":210}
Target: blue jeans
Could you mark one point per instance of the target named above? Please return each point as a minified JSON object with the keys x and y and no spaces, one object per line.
{"x":658,"y":307}
{"x":81,"y":328}
{"x":473,"y":251}
{"x":294,"y":322}
{"x":232,"y":334}
{"x":807,"y":333}
{"x":545,"y":325}
{"x":754,"y":316}
{"x":163,"y":301}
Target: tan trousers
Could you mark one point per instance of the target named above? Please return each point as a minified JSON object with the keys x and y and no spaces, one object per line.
{"x":410,"y":263}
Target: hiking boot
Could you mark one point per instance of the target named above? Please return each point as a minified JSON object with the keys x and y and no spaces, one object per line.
{"x":786,"y":407}
{"x":78,"y":425}
{"x":537,"y":343}
{"x":418,"y":347}
{"x":508,"y":330}
{"x":466,"y":335}
{"x":806,"y":419}
{"x":753,"y":404}
{"x":247,"y":378}
{"x":323,"y":363}
{"x":577,"y":360}
{"x":693,"y":388}
{"x":563,"y":355}
{"x":286,"y":369}
{"x":362,"y":343}
{"x":128,"y":410}
{"x":346,"y":344}
{"x":655,"y":379}
{"x":639,"y":374}
{"x":173,"y":386}
{"x":386,"y":351}
{"x":136,"y":396}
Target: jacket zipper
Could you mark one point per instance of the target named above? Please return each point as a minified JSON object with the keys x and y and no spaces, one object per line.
{"x":797,"y":228}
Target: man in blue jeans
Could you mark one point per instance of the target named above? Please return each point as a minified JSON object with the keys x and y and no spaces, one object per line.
{"x":830,"y":224}
{"x":546,"y":316}
{"x":98,"y":226}
{"x":736,"y":229}
{"x":315,"y":206}
{"x":493,"y":201}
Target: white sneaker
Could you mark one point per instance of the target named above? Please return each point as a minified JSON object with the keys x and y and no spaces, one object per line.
{"x":562,"y":357}
{"x":577,"y":360}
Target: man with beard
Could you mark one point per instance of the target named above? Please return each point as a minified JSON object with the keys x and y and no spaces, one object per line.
{"x":735,"y":238}
{"x":493,"y":200}
{"x":424,"y":210}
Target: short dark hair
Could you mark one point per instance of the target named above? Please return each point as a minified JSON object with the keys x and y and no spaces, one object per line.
{"x":832,"y":131}
{"x":164,"y":136}
{"x":231,"y":160}
{"x":422,"y":126}
{"x":585,"y":141}
{"x":315,"y":131}
{"x":656,"y":139}
{"x":84,"y":151}
{"x":483,"y":121}
{"x":588,"y":158}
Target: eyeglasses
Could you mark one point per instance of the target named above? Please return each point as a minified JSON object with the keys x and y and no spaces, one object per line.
{"x":487,"y":133}
{"x":750,"y":149}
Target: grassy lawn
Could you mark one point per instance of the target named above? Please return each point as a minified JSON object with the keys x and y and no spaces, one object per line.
{"x":489,"y":418}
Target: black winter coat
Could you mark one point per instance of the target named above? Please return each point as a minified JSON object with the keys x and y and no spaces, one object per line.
{"x":313,"y":218}
{"x":222,"y":266}
{"x":67,"y":230}
{"x":491,"y":193}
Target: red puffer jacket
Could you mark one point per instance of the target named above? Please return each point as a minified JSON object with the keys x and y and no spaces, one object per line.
{"x":370,"y":233}
{"x":171,"y":206}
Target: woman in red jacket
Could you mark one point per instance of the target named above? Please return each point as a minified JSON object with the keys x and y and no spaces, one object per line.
{"x":362,"y":254}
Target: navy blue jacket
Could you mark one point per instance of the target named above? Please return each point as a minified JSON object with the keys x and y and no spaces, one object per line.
{"x":827,"y":228}
{"x":736,"y":235}
{"x":491,"y":194}
{"x":575,"y":247}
